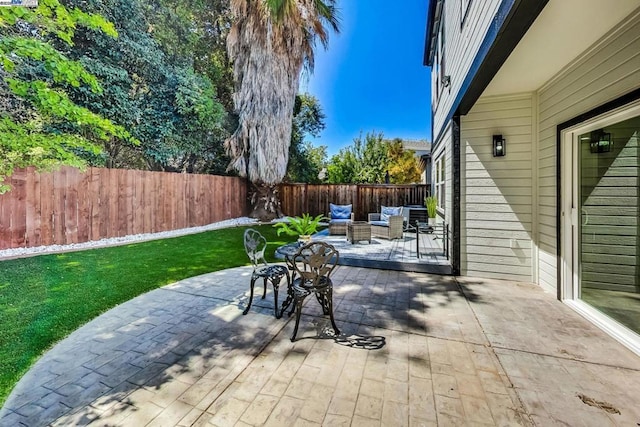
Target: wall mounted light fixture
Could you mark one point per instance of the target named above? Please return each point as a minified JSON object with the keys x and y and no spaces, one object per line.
{"x":499,"y":146}
{"x":601,"y":141}
{"x":446,"y":81}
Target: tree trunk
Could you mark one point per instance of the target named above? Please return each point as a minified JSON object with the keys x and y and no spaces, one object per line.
{"x":265,"y":202}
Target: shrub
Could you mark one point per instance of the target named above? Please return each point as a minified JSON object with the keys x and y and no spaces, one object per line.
{"x":305,"y":225}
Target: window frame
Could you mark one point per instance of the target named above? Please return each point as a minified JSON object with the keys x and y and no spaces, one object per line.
{"x":439,"y":183}
{"x":438,"y":71}
{"x":465,"y":5}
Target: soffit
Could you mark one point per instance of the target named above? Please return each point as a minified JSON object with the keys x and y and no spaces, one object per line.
{"x":563,"y":30}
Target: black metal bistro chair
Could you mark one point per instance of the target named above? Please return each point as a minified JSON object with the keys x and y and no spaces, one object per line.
{"x":312,"y":267}
{"x":255,"y":245}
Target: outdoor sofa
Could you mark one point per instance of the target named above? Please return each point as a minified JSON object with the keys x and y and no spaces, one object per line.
{"x":388,"y":223}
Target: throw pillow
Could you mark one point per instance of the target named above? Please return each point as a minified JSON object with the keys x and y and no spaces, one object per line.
{"x":340,"y":211}
{"x":387,"y":211}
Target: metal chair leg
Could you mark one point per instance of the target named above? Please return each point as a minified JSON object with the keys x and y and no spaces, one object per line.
{"x":264,"y":293}
{"x":298,"y":307}
{"x":330,"y":304}
{"x":275,"y":298}
{"x":284,"y":304}
{"x":253,"y":281}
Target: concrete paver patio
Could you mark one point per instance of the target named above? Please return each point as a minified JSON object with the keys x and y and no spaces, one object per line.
{"x":415,"y":349}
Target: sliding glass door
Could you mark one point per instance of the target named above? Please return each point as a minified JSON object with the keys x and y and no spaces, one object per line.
{"x":601,"y":218}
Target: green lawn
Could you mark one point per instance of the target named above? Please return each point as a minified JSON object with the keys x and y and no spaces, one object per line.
{"x":46,"y":297}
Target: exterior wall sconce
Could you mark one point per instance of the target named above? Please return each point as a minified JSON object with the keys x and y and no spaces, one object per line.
{"x":499,"y":146}
{"x":446,"y":81}
{"x":600,"y":142}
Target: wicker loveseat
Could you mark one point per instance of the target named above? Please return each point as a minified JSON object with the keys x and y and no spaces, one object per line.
{"x":339,"y":217}
{"x":387,"y":223}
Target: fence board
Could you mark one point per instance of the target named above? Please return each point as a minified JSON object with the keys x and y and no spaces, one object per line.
{"x":59,"y":183}
{"x":33,"y":209}
{"x":147,"y":202}
{"x":67,"y":206}
{"x":84,"y":208}
{"x":19,"y":214}
{"x":5,"y":222}
{"x":199,"y":204}
{"x":171,"y":193}
{"x":103,"y":207}
{"x":122,"y":212}
{"x":93,"y":197}
{"x":46,"y":205}
{"x":71,"y":206}
{"x":138,"y":206}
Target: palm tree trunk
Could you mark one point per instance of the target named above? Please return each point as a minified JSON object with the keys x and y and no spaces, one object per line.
{"x":265,"y":202}
{"x":269,"y":43}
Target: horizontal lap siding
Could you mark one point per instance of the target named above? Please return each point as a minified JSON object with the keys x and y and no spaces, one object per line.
{"x":461,"y":47}
{"x":69,"y":206}
{"x":497,"y":191}
{"x":610,"y":69}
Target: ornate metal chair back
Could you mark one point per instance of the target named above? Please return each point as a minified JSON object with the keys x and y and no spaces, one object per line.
{"x":255,"y":245}
{"x":314,"y":263}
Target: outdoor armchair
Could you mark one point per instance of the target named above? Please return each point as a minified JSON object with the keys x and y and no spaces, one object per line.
{"x":388,"y":223}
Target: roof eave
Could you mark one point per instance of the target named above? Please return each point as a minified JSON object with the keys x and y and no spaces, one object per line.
{"x":518,"y":20}
{"x":433,"y":19}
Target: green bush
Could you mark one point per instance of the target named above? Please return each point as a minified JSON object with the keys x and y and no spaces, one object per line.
{"x":305,"y":225}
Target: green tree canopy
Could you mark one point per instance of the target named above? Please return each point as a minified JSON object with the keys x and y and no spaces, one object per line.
{"x":171,"y":108}
{"x":403,"y":165}
{"x":36,"y":79}
{"x":369,"y":162}
{"x":305,"y":160}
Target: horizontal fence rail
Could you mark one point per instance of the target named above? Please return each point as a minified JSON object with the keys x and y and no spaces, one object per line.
{"x":314,"y":199}
{"x":69,"y":206}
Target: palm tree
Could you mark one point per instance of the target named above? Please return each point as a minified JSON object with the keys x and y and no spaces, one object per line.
{"x":270,"y":42}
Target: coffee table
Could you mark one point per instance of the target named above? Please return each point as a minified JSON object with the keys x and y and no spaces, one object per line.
{"x":358,"y":231}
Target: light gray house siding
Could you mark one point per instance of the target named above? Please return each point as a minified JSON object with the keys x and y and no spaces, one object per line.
{"x":497,"y":192}
{"x":462,"y":42}
{"x":608,"y":70}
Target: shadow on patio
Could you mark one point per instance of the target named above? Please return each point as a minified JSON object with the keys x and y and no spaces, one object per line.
{"x":414,"y":349}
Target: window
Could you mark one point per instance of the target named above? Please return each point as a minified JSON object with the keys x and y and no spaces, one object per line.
{"x":435,"y":75}
{"x":439,"y":80}
{"x":464,"y":11}
{"x":439,"y":182}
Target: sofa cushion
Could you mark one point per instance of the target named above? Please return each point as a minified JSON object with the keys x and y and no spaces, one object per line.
{"x":380,"y":223}
{"x":340,"y":211}
{"x":387,"y":211}
{"x":339,"y":221}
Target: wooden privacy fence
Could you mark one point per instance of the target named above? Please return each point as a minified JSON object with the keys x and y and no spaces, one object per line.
{"x":297,"y":199}
{"x":69,"y":206}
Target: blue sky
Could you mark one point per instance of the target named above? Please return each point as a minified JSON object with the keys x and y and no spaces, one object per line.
{"x":371,"y":78}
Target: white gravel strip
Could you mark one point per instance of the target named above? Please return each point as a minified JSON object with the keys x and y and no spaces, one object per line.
{"x":113,"y":241}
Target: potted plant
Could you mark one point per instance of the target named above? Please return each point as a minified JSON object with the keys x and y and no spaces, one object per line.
{"x":302,"y":226}
{"x":431,"y":203}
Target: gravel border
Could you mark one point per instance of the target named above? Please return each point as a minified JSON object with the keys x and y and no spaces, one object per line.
{"x":114,"y":241}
